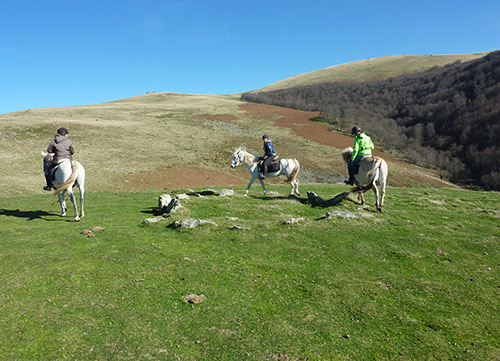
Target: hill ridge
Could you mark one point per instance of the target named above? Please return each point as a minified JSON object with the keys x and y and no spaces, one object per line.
{"x":379,"y":68}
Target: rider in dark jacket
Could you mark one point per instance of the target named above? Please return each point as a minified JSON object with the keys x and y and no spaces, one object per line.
{"x":269,"y":154}
{"x":62,"y":148}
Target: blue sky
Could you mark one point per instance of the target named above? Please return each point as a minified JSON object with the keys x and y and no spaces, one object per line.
{"x":60,"y":53}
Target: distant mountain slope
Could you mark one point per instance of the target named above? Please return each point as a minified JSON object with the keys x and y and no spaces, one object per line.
{"x":448,"y":117}
{"x":371,"y":69}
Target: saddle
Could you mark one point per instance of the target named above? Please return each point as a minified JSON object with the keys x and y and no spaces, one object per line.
{"x":274,"y":166}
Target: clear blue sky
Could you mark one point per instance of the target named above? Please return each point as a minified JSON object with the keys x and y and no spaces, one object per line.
{"x":59,"y":53}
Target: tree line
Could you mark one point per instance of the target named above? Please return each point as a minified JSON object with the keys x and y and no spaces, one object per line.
{"x":446,"y":117}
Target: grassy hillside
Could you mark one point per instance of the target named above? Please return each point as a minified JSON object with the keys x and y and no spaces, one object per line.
{"x":419,"y":281}
{"x":165,"y":140}
{"x":371,"y":69}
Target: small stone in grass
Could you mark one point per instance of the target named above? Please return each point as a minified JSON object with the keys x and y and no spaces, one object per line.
{"x":194,"y":298}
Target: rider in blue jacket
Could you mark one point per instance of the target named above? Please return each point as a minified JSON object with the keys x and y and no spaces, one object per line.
{"x":269,"y":154}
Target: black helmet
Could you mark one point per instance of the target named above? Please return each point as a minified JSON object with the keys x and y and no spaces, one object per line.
{"x":265,"y":136}
{"x":62,"y":131}
{"x":355,"y":130}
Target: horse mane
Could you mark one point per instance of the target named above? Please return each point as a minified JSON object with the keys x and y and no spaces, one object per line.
{"x":249,"y":157}
{"x":346,"y":154}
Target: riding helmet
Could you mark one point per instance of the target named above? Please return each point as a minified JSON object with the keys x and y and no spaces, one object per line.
{"x":62,"y":131}
{"x":265,"y":136}
{"x":355,"y":130}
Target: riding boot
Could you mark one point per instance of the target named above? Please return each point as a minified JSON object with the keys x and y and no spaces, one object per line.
{"x":47,"y":187}
{"x":264,"y":172}
{"x":350,"y":181}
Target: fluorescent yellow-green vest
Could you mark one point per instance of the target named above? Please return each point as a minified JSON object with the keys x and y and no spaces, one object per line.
{"x":363,"y":145}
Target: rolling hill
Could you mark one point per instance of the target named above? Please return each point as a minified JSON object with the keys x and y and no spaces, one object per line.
{"x":371,"y":69}
{"x":446,"y":117}
{"x":166,"y":140}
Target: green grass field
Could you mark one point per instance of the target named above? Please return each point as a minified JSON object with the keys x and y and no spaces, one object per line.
{"x":417,"y":282}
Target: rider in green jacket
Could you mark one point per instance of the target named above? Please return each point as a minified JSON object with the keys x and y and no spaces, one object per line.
{"x":363,"y":146}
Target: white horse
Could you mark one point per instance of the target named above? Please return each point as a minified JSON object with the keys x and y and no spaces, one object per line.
{"x":67,"y":175}
{"x":288,"y":167}
{"x":372,"y":172}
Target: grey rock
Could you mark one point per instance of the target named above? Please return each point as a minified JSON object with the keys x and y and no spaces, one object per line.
{"x":342,"y":214}
{"x":192,"y":223}
{"x":294,"y":220}
{"x":182,"y":196}
{"x":226,"y":193}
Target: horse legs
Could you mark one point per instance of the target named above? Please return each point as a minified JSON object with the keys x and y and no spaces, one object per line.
{"x":377,"y":198}
{"x":295,"y":187}
{"x":73,"y":200}
{"x":263,"y":186}
{"x":382,"y":196}
{"x":62,"y":202}
{"x":361,"y":198}
{"x":82,"y":191}
{"x":250,"y":184}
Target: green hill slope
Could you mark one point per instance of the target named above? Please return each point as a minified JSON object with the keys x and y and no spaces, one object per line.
{"x":165,"y":140}
{"x":371,"y":69}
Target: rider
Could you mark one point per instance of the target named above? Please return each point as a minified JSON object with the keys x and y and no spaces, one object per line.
{"x":363,"y":146}
{"x":62,"y":148}
{"x":269,"y":154}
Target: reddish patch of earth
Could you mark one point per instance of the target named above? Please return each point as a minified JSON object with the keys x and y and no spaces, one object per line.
{"x":302,"y":123}
{"x":174,"y":178}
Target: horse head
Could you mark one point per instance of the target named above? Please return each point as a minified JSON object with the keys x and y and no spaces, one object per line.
{"x":238,"y":157}
{"x":47,"y":158}
{"x":346,"y":154}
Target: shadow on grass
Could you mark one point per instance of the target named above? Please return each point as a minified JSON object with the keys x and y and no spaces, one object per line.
{"x":312,"y":199}
{"x":274,"y":198}
{"x":29,"y":215}
{"x":155,"y":211}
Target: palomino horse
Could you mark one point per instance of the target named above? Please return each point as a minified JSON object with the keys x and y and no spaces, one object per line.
{"x":67,"y":175}
{"x":288,"y":167}
{"x":372,"y":172}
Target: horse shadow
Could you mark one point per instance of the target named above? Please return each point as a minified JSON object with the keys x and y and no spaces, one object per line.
{"x":29,"y":215}
{"x":273,"y":198}
{"x":155,"y":211}
{"x":312,"y":199}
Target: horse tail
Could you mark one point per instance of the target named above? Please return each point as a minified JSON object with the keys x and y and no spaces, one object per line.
{"x":295,"y":171}
{"x":70,"y":180}
{"x":370,"y":176}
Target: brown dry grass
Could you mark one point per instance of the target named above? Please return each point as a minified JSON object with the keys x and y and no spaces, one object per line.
{"x":173,"y":140}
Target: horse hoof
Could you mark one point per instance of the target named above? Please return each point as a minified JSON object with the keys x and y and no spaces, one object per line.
{"x":77,"y":219}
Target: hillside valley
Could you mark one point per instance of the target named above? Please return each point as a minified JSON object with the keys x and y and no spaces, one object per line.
{"x":447,"y":117}
{"x":166,"y":140}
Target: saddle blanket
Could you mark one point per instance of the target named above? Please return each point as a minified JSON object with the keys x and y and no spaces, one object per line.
{"x":274,"y":166}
